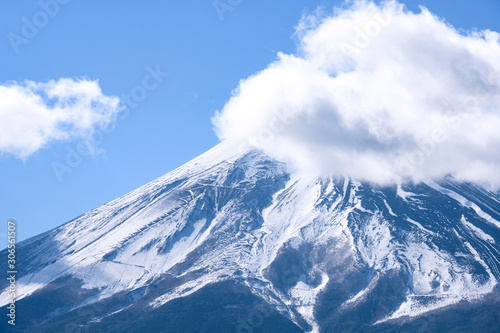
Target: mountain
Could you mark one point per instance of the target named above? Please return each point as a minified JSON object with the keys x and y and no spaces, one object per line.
{"x":234,"y":242}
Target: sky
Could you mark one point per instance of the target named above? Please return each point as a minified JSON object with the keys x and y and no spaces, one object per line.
{"x":171,"y":65}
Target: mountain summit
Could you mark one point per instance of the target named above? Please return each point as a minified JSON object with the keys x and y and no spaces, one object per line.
{"x":234,"y":242}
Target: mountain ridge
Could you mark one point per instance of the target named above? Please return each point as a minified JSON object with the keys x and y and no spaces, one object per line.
{"x":313,"y":251}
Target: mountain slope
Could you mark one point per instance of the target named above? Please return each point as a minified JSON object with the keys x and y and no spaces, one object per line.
{"x":248,"y":246}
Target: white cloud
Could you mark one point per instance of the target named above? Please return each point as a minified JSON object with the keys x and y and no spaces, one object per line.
{"x":33,"y":114}
{"x":377,"y":93}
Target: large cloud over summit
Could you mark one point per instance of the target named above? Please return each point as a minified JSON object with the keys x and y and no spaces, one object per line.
{"x":377,"y":93}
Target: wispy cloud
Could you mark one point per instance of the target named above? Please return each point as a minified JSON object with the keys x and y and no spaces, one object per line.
{"x":34,"y":114}
{"x":378,"y":93}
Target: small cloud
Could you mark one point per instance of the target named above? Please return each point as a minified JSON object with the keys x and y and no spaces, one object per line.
{"x":378,"y":93}
{"x":34,"y":114}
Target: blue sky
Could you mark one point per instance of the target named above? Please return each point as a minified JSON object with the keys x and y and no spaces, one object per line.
{"x":118,"y":43}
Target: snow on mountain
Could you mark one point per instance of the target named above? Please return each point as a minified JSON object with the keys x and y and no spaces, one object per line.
{"x":314,"y":249}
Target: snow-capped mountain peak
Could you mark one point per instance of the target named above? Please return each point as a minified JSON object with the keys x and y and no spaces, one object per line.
{"x":315,"y":250}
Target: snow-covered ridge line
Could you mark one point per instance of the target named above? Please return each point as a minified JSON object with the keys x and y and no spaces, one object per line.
{"x":291,"y":239}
